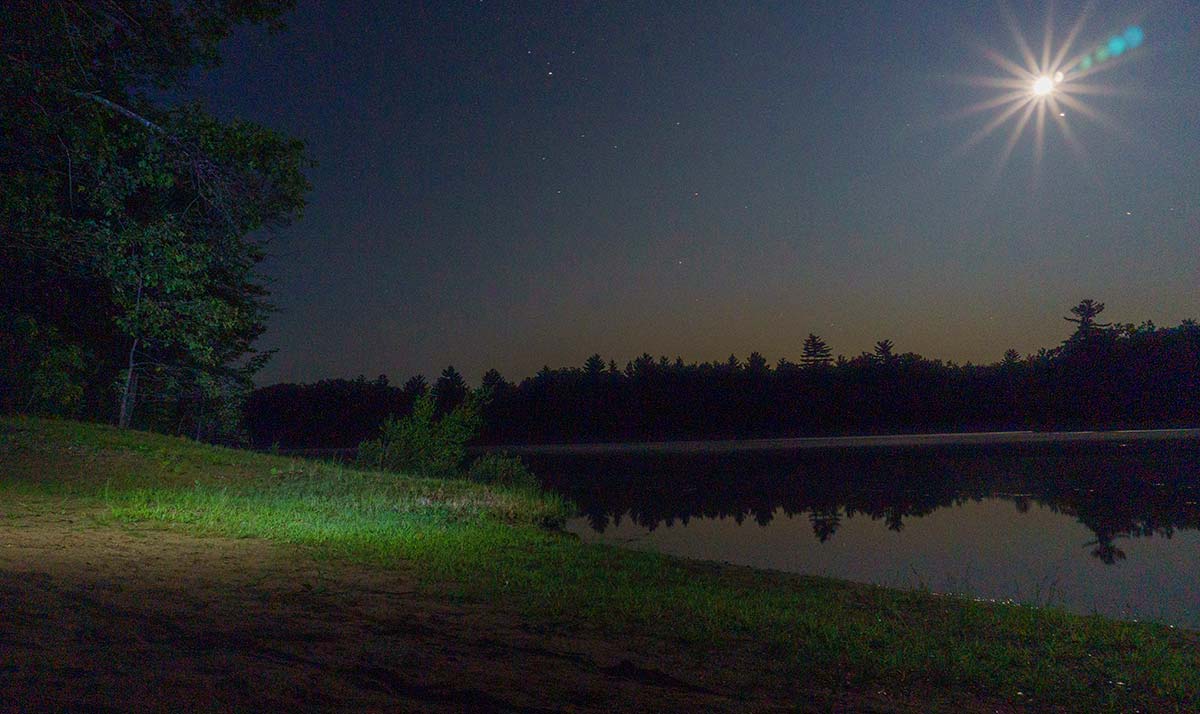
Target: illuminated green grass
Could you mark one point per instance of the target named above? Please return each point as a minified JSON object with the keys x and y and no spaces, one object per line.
{"x":498,"y":545}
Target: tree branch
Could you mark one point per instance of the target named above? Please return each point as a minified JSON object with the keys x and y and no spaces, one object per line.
{"x":127,"y":113}
{"x":203,"y":168}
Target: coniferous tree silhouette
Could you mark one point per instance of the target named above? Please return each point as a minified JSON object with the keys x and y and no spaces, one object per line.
{"x":1085,"y":314}
{"x":815,"y":352}
{"x":449,"y":391}
{"x":594,"y":366}
{"x":494,"y":383}
{"x":415,"y":386}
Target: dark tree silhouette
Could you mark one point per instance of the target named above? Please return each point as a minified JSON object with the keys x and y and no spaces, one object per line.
{"x":594,"y":366}
{"x":825,"y":523}
{"x":449,"y":391}
{"x":415,"y":386}
{"x":494,"y":382}
{"x":1085,"y":314}
{"x":884,"y":352}
{"x":815,"y":352}
{"x":332,"y":413}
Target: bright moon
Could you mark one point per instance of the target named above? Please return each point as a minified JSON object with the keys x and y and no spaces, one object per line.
{"x":1036,"y":89}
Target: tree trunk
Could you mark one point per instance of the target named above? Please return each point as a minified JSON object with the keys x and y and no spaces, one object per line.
{"x":127,"y":392}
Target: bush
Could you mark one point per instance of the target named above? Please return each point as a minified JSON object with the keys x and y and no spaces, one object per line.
{"x":502,"y":470}
{"x":421,"y":444}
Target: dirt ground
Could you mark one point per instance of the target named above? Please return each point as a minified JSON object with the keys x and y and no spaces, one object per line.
{"x":101,"y":618}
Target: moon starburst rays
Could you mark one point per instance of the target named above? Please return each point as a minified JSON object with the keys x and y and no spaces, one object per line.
{"x":1038,"y":89}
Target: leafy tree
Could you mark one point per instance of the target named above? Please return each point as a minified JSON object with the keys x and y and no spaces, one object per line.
{"x":815,"y":352}
{"x":126,"y":221}
{"x":423,"y":443}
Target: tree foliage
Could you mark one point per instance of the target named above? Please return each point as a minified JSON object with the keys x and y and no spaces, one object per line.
{"x":129,"y":225}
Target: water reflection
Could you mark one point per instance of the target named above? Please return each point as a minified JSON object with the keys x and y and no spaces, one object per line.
{"x":1008,"y":514}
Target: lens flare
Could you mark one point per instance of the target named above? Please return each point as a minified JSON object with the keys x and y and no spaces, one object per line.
{"x":1032,"y":87}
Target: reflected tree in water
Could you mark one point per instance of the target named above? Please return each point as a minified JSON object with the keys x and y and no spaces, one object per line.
{"x":1115,"y":493}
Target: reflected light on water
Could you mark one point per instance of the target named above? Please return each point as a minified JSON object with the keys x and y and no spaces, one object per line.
{"x":1090,"y":528}
{"x":985,"y":550}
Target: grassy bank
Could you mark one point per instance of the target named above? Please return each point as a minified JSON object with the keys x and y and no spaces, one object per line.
{"x":492,"y":544}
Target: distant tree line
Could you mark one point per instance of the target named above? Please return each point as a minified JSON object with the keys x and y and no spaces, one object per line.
{"x":1103,"y":376}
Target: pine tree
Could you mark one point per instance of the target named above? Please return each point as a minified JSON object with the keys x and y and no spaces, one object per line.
{"x":884,"y":351}
{"x":449,"y":391}
{"x":815,"y":353}
{"x":594,"y":366}
{"x":1085,"y":314}
{"x":414,"y":387}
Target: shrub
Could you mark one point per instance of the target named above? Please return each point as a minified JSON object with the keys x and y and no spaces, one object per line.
{"x":421,"y":444}
{"x":502,"y":470}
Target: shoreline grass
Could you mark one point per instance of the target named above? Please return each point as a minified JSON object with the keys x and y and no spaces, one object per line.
{"x":502,"y":545}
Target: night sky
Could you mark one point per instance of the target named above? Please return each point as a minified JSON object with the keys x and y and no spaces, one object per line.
{"x":514,"y":185}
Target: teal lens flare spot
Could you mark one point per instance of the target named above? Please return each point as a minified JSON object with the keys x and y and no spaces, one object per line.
{"x":1134,"y":37}
{"x":1086,"y":62}
{"x":1116,"y":46}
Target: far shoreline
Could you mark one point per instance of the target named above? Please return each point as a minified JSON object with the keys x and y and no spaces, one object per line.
{"x":862,"y":441}
{"x":984,"y":438}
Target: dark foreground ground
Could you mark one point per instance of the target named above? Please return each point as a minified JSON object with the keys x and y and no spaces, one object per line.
{"x":124,"y":618}
{"x":147,"y":573}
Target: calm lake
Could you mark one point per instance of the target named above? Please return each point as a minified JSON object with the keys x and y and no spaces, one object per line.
{"x":1095,"y":527}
